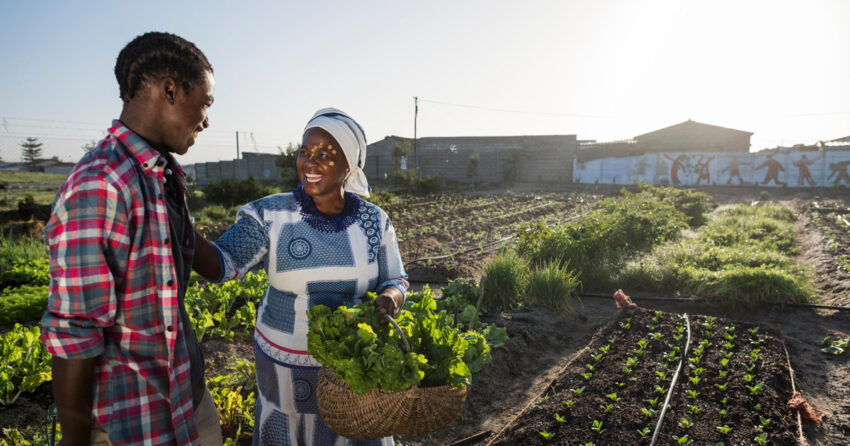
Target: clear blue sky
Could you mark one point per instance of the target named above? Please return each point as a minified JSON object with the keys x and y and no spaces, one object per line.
{"x":599,"y":69}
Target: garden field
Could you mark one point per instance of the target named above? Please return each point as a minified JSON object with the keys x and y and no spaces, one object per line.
{"x":566,"y":364}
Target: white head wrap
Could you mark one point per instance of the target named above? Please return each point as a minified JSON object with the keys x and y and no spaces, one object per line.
{"x":348,"y":133}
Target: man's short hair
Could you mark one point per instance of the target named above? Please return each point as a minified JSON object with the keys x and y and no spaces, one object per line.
{"x":155,"y":55}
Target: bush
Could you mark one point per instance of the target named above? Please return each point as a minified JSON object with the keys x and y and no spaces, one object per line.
{"x":229,"y":192}
{"x":24,"y":361}
{"x":411,"y":182}
{"x":695,"y":205}
{"x":553,"y":285}
{"x":504,"y":280}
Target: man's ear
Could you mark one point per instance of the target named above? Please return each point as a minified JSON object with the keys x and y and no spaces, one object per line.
{"x":168,"y":89}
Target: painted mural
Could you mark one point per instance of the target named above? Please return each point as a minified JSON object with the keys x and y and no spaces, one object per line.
{"x":790,"y":169}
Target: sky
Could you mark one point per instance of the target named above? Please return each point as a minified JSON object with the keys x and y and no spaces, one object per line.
{"x":600,"y":69}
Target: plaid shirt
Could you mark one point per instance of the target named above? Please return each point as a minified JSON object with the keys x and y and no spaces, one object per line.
{"x":113,"y":291}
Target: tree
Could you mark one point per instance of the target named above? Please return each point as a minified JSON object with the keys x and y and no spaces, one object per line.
{"x":286,"y":163}
{"x":31,"y":151}
{"x":89,"y":146}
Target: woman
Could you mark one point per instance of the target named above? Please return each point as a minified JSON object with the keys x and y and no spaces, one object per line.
{"x":320,"y":244}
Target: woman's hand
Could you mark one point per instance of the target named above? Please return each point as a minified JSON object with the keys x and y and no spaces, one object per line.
{"x":389,"y":301}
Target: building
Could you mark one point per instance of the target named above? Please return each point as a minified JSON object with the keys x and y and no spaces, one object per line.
{"x":529,"y":158}
{"x":261,"y":166}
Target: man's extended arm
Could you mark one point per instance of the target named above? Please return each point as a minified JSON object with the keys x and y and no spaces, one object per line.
{"x":206,"y":261}
{"x":72,"y":390}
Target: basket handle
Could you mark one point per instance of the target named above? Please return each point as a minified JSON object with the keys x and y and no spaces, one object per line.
{"x":400,"y":332}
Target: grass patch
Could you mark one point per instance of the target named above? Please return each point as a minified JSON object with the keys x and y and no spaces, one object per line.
{"x":504,"y":280}
{"x":553,"y":285}
{"x":32,"y":178}
{"x":15,"y":249}
{"x":741,"y":257}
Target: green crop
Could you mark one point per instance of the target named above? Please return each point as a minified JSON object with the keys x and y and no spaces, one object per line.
{"x":24,"y":363}
{"x":644,"y":432}
{"x":559,"y":418}
{"x":547,"y":435}
{"x":761,"y":438}
{"x":597,"y":427}
{"x":684,"y":422}
{"x":648,"y":412}
{"x":22,"y":304}
{"x":724,"y":430}
{"x":364,"y":350}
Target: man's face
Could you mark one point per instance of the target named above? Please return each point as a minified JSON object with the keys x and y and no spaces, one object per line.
{"x":187,"y":116}
{"x":321,"y":164}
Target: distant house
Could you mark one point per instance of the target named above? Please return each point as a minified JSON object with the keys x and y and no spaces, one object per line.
{"x":688,"y":136}
{"x":527,"y":158}
{"x":40,"y":165}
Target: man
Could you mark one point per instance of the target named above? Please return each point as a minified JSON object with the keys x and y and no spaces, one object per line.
{"x":127,"y":368}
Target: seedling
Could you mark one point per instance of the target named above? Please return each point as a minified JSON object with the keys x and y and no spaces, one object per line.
{"x":631,"y":361}
{"x":722,"y":387}
{"x":639,"y":351}
{"x":648,"y":412}
{"x":753,"y":330}
{"x":569,"y":403}
{"x":694,"y":409}
{"x":693,"y":394}
{"x":724,"y":362}
{"x":613,"y":397}
{"x":751,"y":368}
{"x":728,"y":355}
{"x":661,"y":375}
{"x":680,"y":329}
{"x":754,"y":354}
{"x":728,"y":337}
{"x":747,"y":378}
{"x":547,"y":435}
{"x":764,"y":421}
{"x":627,"y":370}
{"x":597,"y":358}
{"x":757,"y":407}
{"x":658,"y":313}
{"x":697,"y":371}
{"x":721,"y":412}
{"x":685,"y":423}
{"x":605,"y":349}
{"x":625,"y":326}
{"x":683,"y":440}
{"x":730,"y":328}
{"x":655,"y":402}
{"x":607,"y":408}
{"x":656,"y":336}
{"x":756,"y":342}
{"x":597,"y":427}
{"x":722,"y":374}
{"x":756,"y":389}
{"x":724,"y":400}
{"x":577,"y":392}
{"x":619,"y":384}
{"x":694,"y":380}
{"x":590,"y":367}
{"x":695,"y":360}
{"x":559,"y":418}
{"x":660,"y":389}
{"x":644,"y":432}
{"x":761,"y":438}
{"x":587,"y":376}
{"x":724,"y":430}
{"x":677,"y":338}
{"x":728,"y":346}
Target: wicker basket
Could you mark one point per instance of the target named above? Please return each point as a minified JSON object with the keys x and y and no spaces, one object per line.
{"x":380,"y":413}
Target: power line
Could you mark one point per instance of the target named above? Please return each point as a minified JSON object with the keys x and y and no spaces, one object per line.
{"x":523,"y":112}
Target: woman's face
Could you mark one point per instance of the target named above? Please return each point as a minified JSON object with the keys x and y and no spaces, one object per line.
{"x":321,"y":164}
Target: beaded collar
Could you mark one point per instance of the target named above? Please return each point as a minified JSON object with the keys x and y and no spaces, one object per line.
{"x":311,"y":215}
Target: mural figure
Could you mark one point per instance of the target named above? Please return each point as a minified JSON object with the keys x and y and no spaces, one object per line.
{"x":839,"y":169}
{"x":678,"y":163}
{"x":702,"y":168}
{"x":661,"y":172}
{"x":639,"y":170}
{"x":734,"y":171}
{"x":802,"y":165}
{"x":773,"y":168}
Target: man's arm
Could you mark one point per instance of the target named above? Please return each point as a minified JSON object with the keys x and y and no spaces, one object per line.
{"x":206,"y":261}
{"x":72,"y":390}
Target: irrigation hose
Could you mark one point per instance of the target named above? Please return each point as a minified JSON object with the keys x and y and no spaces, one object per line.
{"x":703,"y":301}
{"x":672,"y":382}
{"x":801,"y":440}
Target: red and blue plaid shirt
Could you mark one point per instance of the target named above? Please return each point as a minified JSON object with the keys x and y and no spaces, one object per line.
{"x":113,"y":291}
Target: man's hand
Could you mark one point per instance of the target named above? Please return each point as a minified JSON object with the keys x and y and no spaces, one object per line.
{"x":72,"y":390}
{"x":389,"y":301}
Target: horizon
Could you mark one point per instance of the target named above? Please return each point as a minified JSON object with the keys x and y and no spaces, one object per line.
{"x":603,"y":71}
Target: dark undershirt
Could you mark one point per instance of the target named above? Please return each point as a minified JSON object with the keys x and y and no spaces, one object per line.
{"x":177,"y":219}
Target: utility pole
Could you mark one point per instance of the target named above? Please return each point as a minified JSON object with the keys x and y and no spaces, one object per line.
{"x":237,"y":144}
{"x":236,"y":161}
{"x":415,"y":141}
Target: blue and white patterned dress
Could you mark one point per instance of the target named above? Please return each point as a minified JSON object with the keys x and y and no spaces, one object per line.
{"x":310,"y":259}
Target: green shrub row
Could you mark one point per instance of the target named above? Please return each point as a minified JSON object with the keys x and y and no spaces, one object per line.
{"x":24,"y":363}
{"x":741,"y":257}
{"x":599,"y":242}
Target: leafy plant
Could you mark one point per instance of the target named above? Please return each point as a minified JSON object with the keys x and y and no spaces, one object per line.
{"x":597,"y":427}
{"x":559,"y":418}
{"x":655,"y":402}
{"x":547,"y":435}
{"x":761,"y":438}
{"x":587,"y":376}
{"x":722,"y":413}
{"x":722,"y":387}
{"x":834,"y":347}
{"x":644,"y":433}
{"x":693,"y":409}
{"x":577,"y":392}
{"x":756,"y":389}
{"x":24,"y":363}
{"x":694,"y":380}
{"x":505,"y":279}
{"x":724,"y":430}
{"x":692,"y":394}
{"x":648,"y":412}
{"x":683,"y":440}
{"x":764,"y":421}
{"x":569,"y":403}
{"x":684,"y":422}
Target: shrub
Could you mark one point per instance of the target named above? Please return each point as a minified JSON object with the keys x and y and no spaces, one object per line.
{"x":553,"y":286}
{"x":229,"y":192}
{"x":24,"y":361}
{"x":504,"y":280}
{"x":695,"y":205}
